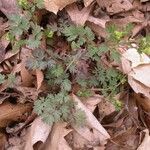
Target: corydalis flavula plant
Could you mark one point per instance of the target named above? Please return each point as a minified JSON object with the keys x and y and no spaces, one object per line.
{"x":20,"y":24}
{"x":58,"y":107}
{"x":63,"y":70}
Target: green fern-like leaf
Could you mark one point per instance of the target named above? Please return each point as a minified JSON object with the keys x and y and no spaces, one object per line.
{"x":39,"y":3}
{"x":35,"y":39}
{"x":66,"y":85}
{"x":78,"y":35}
{"x":2,"y":79}
{"x":18,"y":24}
{"x":79,"y":118}
{"x":144,"y":45}
{"x":54,"y":108}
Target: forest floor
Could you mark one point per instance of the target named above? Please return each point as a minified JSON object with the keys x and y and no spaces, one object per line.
{"x":74,"y":75}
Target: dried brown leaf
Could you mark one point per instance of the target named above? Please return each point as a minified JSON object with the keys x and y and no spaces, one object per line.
{"x":2,"y":141}
{"x":92,"y":123}
{"x":115,"y":6}
{"x":145,"y":145}
{"x":28,"y":93}
{"x":137,"y":28}
{"x":79,"y":17}
{"x":143,"y":101}
{"x":26,"y":77}
{"x":141,"y":74}
{"x":10,"y":112}
{"x":138,"y":77}
{"x":56,"y":5}
{"x":105,"y":108}
{"x":99,"y":31}
{"x":135,"y":58}
{"x":93,"y":101}
{"x":138,"y":87}
{"x":38,"y":131}
{"x":56,"y":140}
{"x":87,"y":2}
{"x":97,"y":21}
{"x":9,"y":7}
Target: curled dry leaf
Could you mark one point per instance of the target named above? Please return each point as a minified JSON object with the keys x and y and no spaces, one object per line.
{"x":10,"y":112}
{"x":92,"y":123}
{"x":38,"y":131}
{"x":145,"y":145}
{"x":56,"y":140}
{"x":141,"y":74}
{"x":135,"y":58}
{"x":138,"y":75}
{"x":139,"y":87}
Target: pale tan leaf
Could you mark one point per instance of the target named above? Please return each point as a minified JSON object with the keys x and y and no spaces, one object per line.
{"x":144,"y":1}
{"x":79,"y":17}
{"x":139,"y":87}
{"x":125,"y":65}
{"x":38,"y":131}
{"x":40,"y":78}
{"x":93,"y":101}
{"x":142,"y":74}
{"x":91,"y":122}
{"x":87,"y":2}
{"x":56,"y":5}
{"x":105,"y":108}
{"x":145,"y":145}
{"x":138,"y":71}
{"x":79,"y":141}
{"x":56,"y":139}
{"x":9,"y":7}
{"x":135,"y":58}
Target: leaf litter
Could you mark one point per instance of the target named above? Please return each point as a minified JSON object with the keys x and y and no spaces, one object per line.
{"x":59,"y":60}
